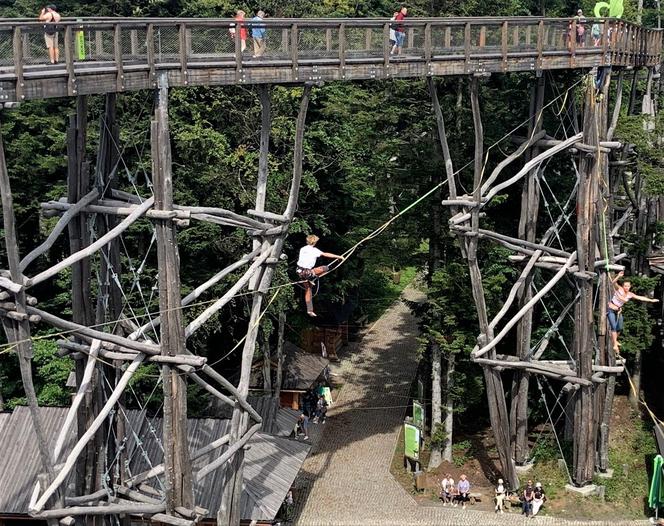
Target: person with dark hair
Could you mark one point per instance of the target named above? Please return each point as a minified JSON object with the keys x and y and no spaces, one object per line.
{"x":621,"y":296}
{"x":51,"y":17}
{"x":258,"y":34}
{"x":527,"y":499}
{"x":539,"y":498}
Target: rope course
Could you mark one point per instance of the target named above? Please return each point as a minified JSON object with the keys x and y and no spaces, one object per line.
{"x":113,"y":338}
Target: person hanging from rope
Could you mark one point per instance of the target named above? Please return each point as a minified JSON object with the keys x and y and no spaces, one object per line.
{"x":621,"y":296}
{"x":308,"y":271}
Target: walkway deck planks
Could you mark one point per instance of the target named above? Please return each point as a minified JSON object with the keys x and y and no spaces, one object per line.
{"x":102,"y":55}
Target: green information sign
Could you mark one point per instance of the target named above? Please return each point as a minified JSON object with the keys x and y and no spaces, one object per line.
{"x":412,"y":441}
{"x":418,"y":414}
{"x":80,"y":45}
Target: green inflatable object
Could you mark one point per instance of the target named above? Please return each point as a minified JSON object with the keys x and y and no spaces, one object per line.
{"x":656,"y":495}
{"x":615,"y":9}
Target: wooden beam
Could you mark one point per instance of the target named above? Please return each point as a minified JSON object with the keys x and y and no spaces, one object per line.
{"x":178,"y":480}
{"x":62,"y":223}
{"x":561,"y":273}
{"x":92,"y":248}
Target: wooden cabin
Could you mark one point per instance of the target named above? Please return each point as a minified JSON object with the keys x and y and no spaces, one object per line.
{"x":301,"y":371}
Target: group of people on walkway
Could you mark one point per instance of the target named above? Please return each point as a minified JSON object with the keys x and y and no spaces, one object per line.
{"x":258,"y":31}
{"x":454,"y":494}
{"x":314,"y":410}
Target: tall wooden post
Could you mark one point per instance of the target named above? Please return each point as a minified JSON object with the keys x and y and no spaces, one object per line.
{"x":78,"y":185}
{"x":229,"y":510}
{"x":494,"y":383}
{"x":605,"y":356}
{"x":584,"y":422}
{"x":527,"y":230}
{"x":177,"y":465}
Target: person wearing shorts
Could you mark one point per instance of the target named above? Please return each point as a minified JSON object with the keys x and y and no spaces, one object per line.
{"x":51,"y":17}
{"x":399,"y":31}
{"x":622,"y":294}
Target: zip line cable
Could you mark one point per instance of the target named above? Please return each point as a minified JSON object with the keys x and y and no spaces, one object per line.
{"x":5,"y":348}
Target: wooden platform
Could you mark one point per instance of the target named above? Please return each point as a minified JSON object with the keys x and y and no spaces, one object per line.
{"x":114,"y":54}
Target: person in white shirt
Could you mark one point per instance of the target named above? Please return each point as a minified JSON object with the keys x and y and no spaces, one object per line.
{"x":500,"y":496}
{"x":447,"y":489}
{"x":307,"y":269}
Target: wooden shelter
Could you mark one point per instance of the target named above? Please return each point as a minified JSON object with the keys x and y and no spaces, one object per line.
{"x":301,"y":371}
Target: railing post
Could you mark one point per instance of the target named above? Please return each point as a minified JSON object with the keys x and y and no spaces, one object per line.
{"x":482,"y":38}
{"x":427,"y":45}
{"x":133,"y":38}
{"x":529,"y":31}
{"x":99,"y":44}
{"x":411,"y":37}
{"x":605,"y":41}
{"x":572,"y":43}
{"x":149,"y":43}
{"x":18,"y":63}
{"x":117,"y":50}
{"x":239,"y":74}
{"x":386,"y":49}
{"x":448,"y":37}
{"x":367,"y":39}
{"x":466,"y":46}
{"x":69,"y":61}
{"x":284,"y":40}
{"x":182,"y":37}
{"x":328,"y":39}
{"x":503,"y":43}
{"x":342,"y":50}
{"x":294,"y":51}
{"x":515,"y":36}
{"x":540,"y":44}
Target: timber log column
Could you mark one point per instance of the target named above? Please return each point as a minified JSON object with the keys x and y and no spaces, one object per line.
{"x":177,"y":464}
{"x":585,"y":428}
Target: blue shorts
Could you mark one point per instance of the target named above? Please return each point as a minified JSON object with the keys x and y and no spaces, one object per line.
{"x":615,"y":320}
{"x":400,"y":36}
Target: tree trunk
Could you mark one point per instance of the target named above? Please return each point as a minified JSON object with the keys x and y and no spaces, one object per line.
{"x":449,"y":407}
{"x":436,"y":416}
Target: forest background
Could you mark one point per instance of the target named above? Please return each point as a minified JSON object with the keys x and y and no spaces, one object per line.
{"x":371,"y":149}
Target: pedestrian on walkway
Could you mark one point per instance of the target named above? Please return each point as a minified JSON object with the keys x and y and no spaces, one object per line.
{"x":500,"y":496}
{"x":463,"y":490}
{"x":393,"y":27}
{"x":527,"y":499}
{"x":51,"y":17}
{"x":258,"y":34}
{"x":303,"y":424}
{"x":239,"y":17}
{"x":399,"y":31}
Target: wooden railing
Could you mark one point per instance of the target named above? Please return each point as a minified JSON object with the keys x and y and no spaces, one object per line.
{"x":110,"y":54}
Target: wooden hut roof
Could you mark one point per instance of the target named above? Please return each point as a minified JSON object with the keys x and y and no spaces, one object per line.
{"x":300,"y":370}
{"x":271,"y":463}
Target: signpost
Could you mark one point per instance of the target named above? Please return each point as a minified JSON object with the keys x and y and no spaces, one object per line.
{"x":418,"y":414}
{"x":412,"y":442}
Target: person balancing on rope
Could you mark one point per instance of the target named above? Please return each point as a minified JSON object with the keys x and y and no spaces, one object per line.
{"x":308,"y":271}
{"x":621,"y":296}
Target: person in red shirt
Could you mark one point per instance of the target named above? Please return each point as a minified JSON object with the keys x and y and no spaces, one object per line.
{"x":399,"y":31}
{"x":239,"y":16}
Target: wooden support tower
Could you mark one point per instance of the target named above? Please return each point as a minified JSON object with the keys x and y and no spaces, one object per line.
{"x":589,"y":374}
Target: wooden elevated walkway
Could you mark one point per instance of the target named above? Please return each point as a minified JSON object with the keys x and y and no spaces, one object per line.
{"x":114,"y":54}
